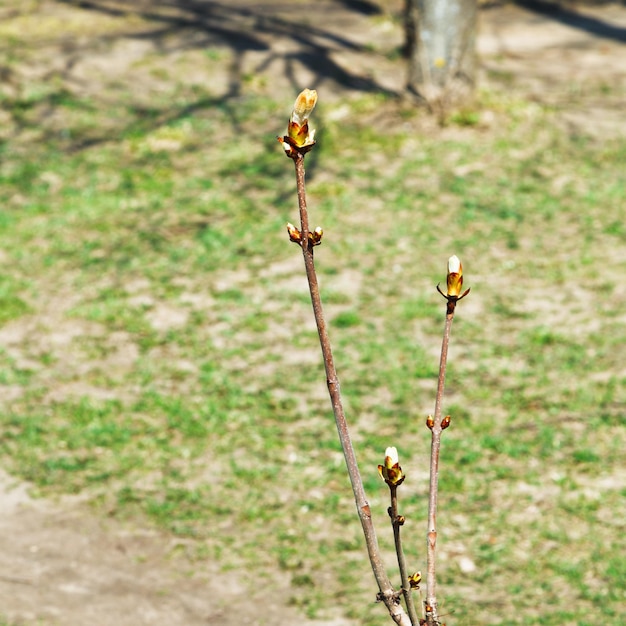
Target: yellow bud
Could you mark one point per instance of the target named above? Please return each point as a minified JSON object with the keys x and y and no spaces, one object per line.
{"x":455,"y":276}
{"x":415,"y":580}
{"x":391,"y":472}
{"x":299,"y":135}
{"x":294,"y":233}
{"x":316,"y":236}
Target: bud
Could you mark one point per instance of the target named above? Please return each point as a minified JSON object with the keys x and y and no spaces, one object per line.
{"x":415,"y":580}
{"x":445,"y":422}
{"x":430,"y":422}
{"x":455,"y":276}
{"x":294,"y":233}
{"x":316,"y":236}
{"x":298,"y":132}
{"x":391,"y":472}
{"x":304,"y":105}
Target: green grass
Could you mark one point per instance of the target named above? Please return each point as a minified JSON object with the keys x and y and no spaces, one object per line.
{"x":159,"y":353}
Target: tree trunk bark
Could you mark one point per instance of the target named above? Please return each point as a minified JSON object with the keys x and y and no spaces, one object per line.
{"x":441,"y":51}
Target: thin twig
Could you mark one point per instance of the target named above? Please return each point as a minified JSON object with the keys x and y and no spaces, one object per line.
{"x":387,"y":593}
{"x":404,"y":575}
{"x":431,"y":609}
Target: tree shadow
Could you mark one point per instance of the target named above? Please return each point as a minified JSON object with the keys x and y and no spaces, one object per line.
{"x":587,"y":23}
{"x":245,"y":28}
{"x":259,"y":36}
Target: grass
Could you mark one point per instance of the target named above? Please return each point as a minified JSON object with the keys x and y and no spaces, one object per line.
{"x":159,"y":353}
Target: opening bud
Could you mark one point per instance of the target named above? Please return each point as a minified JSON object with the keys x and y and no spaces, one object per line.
{"x":415,"y":580}
{"x":294,"y":233}
{"x":316,"y":236}
{"x":304,"y":105}
{"x":299,"y":135}
{"x":391,"y":472}
{"x":455,"y":276}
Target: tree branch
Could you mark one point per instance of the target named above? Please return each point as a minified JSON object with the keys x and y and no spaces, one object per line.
{"x":386,"y":591}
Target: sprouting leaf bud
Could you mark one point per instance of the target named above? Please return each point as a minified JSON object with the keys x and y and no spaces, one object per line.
{"x":415,"y":580}
{"x":304,"y":105}
{"x":299,"y":135}
{"x":455,"y":277}
{"x":316,"y":236}
{"x":294,"y":233}
{"x":391,"y":472}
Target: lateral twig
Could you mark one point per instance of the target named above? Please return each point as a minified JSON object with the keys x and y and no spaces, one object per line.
{"x":397,"y":521}
{"x":437,"y":425}
{"x":431,"y":609}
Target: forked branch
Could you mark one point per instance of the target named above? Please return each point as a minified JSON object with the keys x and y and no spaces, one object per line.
{"x":297,"y":143}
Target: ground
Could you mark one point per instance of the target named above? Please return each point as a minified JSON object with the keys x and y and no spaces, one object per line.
{"x":61,"y":563}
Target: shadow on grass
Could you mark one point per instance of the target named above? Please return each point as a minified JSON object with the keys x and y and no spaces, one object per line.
{"x":245,"y":28}
{"x":248,"y":30}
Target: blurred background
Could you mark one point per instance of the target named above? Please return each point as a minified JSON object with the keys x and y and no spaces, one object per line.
{"x":168,"y":447}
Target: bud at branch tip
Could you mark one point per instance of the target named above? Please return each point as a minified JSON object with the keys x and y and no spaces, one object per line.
{"x":391,"y":472}
{"x":454,"y":280}
{"x":300,"y":138}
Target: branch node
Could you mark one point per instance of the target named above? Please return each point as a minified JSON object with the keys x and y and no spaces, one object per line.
{"x":394,"y":596}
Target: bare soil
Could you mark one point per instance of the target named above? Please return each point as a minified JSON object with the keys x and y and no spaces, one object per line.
{"x":60,"y":563}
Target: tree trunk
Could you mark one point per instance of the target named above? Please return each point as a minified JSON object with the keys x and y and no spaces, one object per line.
{"x":441,"y":51}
